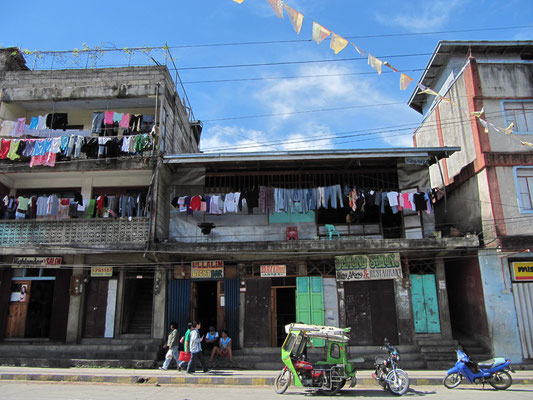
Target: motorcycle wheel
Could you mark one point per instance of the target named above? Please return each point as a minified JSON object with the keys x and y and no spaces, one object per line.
{"x":501,"y":380}
{"x":453,"y":380}
{"x":400,"y":385}
{"x":336,"y":387}
{"x":282,"y":382}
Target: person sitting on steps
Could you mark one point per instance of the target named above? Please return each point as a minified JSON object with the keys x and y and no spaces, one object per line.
{"x":224,"y":347}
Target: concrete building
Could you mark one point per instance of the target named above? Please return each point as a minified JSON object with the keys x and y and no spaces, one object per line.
{"x":488,"y":185}
{"x":252,"y":267}
{"x":74,"y":267}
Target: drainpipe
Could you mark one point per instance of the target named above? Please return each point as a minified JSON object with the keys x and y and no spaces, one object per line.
{"x":444,"y":185}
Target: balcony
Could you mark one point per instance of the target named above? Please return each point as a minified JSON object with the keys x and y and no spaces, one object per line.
{"x":86,"y":232}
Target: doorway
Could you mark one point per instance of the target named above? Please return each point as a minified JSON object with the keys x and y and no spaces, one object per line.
{"x":205,"y":304}
{"x":138,"y":303}
{"x":425,"y":303}
{"x":371,"y":312}
{"x":283,"y":312}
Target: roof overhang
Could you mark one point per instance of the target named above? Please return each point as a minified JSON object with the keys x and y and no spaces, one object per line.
{"x":445,"y":49}
{"x":202,"y":159}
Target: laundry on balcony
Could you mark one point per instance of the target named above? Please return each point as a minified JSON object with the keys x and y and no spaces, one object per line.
{"x":286,"y":200}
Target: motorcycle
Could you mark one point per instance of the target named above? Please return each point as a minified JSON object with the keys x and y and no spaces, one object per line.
{"x":328,"y":376}
{"x":387,"y":373}
{"x":493,"y":371}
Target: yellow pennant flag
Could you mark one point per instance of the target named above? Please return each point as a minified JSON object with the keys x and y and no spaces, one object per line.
{"x":297,"y":18}
{"x":277,"y":6}
{"x":359,"y":50}
{"x":405,"y":81}
{"x":509,"y":129}
{"x":427,"y":90}
{"x":485,"y":125}
{"x":338,"y":43}
{"x":526,"y":143}
{"x":375,"y":63}
{"x":238,"y":1}
{"x":319,"y":32}
{"x":478,"y":113}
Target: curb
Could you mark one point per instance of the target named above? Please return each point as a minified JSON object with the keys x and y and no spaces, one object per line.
{"x":193,"y":380}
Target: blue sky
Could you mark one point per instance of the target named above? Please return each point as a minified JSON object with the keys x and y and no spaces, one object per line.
{"x":371,"y":110}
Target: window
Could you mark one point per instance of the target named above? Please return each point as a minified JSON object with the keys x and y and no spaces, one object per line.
{"x":524,"y":186}
{"x":520,"y":113}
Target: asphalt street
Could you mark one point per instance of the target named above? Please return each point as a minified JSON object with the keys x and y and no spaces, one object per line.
{"x":74,"y":391}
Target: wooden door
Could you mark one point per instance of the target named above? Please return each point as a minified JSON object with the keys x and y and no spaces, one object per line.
{"x":358,"y":312}
{"x":425,"y":303}
{"x":18,"y":309}
{"x":95,"y":308}
{"x":371,"y":312}
{"x":257,"y":329}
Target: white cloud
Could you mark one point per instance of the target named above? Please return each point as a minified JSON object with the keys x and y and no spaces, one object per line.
{"x":418,"y":17}
{"x":226,"y":139}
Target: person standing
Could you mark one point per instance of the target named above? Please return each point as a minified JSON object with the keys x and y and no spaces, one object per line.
{"x":186,"y":345}
{"x":196,"y":349}
{"x":172,"y":344}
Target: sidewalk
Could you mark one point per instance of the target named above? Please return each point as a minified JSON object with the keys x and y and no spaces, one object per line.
{"x":214,"y":377}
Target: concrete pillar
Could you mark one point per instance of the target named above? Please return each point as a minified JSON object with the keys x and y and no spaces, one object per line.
{"x":120,"y":303}
{"x":159,"y":307}
{"x":87,"y":188}
{"x":442,"y":294}
{"x":75,"y":309}
{"x":404,"y":312}
{"x":342,"y":306}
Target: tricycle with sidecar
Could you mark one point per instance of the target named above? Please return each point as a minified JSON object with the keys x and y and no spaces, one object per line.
{"x":328,"y":376}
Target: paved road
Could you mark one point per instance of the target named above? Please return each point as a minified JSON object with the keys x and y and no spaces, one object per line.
{"x":75,"y":391}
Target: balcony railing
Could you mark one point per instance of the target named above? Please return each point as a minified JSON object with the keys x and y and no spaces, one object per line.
{"x":74,"y":231}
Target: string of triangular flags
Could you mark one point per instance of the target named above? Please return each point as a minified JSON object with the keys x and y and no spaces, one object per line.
{"x":338,"y":43}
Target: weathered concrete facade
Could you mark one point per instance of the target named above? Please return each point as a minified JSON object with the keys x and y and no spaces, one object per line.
{"x":132,"y":292}
{"x":485,"y":181}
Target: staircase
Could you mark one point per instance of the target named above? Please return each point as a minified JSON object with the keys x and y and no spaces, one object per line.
{"x":438,"y":353}
{"x":410,"y":356}
{"x":125,"y":353}
{"x":473,"y":347}
{"x":141,"y":321}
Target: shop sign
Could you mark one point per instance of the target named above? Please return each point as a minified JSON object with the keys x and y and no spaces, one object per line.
{"x":99,"y":272}
{"x":207,"y":272}
{"x":206,"y":264}
{"x":36,"y":262}
{"x":522,"y":271}
{"x":271,"y":271}
{"x":368,"y":267}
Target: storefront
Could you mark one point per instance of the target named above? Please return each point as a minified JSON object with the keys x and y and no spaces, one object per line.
{"x":522,"y":276}
{"x":34,"y":295}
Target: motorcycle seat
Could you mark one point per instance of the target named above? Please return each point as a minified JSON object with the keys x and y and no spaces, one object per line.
{"x":493,"y":362}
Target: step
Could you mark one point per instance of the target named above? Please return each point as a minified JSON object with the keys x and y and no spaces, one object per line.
{"x":68,"y":363}
{"x":437,"y":342}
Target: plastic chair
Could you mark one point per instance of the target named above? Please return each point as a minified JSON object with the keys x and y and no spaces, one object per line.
{"x":292,"y":233}
{"x":331,"y":231}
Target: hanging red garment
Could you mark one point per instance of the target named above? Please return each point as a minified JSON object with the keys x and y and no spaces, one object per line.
{"x":4,"y":149}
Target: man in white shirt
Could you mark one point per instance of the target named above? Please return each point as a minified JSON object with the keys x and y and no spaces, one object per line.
{"x":196,"y":349}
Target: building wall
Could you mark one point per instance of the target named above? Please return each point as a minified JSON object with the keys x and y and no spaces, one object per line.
{"x":516,"y":223}
{"x":504,"y":81}
{"x":499,"y":303}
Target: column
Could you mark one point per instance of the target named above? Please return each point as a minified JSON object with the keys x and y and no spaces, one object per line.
{"x":75,"y":310}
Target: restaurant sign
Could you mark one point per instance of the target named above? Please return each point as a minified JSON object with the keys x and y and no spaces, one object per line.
{"x":207,"y":269}
{"x":273,"y":271}
{"x":368,"y":267}
{"x":522,"y":271}
{"x":36,"y":262}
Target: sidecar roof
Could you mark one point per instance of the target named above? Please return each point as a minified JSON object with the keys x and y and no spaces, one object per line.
{"x":320,"y":331}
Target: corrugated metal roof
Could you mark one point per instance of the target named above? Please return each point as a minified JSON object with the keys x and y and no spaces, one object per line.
{"x":199,"y":158}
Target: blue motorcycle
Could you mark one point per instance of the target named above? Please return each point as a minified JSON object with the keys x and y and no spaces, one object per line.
{"x":494,"y":372}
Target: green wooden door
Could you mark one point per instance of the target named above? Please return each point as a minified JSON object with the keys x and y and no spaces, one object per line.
{"x":310,"y":302}
{"x":425,"y":304}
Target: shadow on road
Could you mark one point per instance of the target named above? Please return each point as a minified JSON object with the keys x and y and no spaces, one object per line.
{"x":364,"y":393}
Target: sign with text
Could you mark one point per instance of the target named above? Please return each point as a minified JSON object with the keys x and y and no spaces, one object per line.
{"x":207,"y":272}
{"x":203,"y":264}
{"x":37,"y":262}
{"x":368,"y":267}
{"x":522,"y":271}
{"x":97,"y":272}
{"x":272,"y":271}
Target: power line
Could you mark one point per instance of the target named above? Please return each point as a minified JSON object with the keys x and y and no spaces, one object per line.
{"x":302,"y":62}
{"x":298,"y":76}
